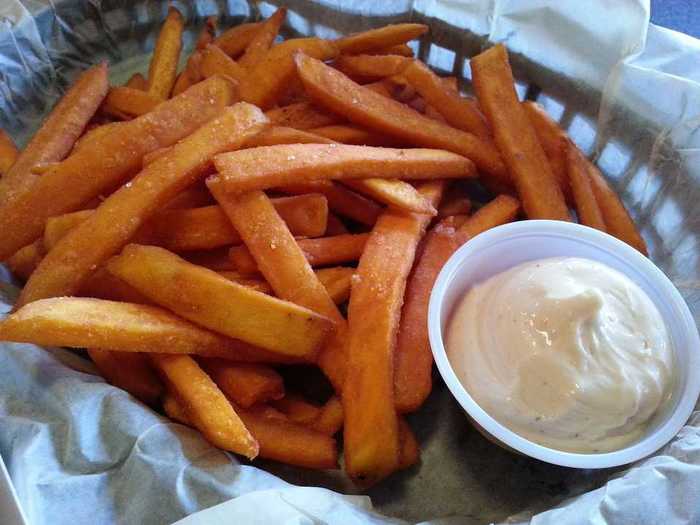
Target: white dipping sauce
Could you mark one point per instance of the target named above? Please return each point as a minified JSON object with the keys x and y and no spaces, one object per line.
{"x":566,"y":352}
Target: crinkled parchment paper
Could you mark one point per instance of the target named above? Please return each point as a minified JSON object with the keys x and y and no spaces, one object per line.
{"x":80,"y":451}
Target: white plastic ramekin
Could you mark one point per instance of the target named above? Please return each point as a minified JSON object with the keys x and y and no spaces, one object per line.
{"x":506,"y":246}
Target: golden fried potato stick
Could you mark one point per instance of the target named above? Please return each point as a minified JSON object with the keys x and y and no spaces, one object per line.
{"x":371,"y":67}
{"x":297,"y":409}
{"x":413,"y":359}
{"x":23,"y":263}
{"x":373,"y":322}
{"x":323,"y":251}
{"x":190,"y":75}
{"x":174,"y":409}
{"x":215,"y":62}
{"x":618,"y":222}
{"x":282,"y":135}
{"x":77,"y":255}
{"x":459,"y":112}
{"x":212,"y":301}
{"x":196,"y":196}
{"x":587,"y":208}
{"x":130,"y":102}
{"x":53,"y":141}
{"x":301,"y":115}
{"x":337,"y":282}
{"x":8,"y":152}
{"x":403,"y":50}
{"x":273,"y":166}
{"x":163,"y":67}
{"x":515,"y":137}
{"x":244,"y":383}
{"x":104,"y":285}
{"x":263,"y":39}
{"x":266,"y":82}
{"x":130,"y":371}
{"x":205,"y":405}
{"x":349,"y":134}
{"x":110,"y":160}
{"x":137,"y":81}
{"x":363,"y":106}
{"x":381,"y":38}
{"x":233,"y":41}
{"x":330,"y":417}
{"x":81,"y":322}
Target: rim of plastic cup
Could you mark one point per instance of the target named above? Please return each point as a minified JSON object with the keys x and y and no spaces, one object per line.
{"x":614,"y":247}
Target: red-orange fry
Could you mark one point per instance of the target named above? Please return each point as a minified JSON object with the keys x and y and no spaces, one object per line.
{"x":215,"y":62}
{"x":330,"y":417}
{"x":128,"y":101}
{"x":263,"y":39}
{"x":8,"y":152}
{"x":413,"y":358}
{"x":515,"y":137}
{"x":244,"y":383}
{"x":163,"y":67}
{"x":381,"y":38}
{"x":587,"y":208}
{"x":297,"y":409}
{"x":233,"y":41}
{"x":130,"y":371}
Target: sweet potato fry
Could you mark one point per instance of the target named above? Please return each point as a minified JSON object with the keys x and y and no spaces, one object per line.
{"x":381,"y":38}
{"x":284,"y":441}
{"x":413,"y":358}
{"x":395,"y":193}
{"x":23,"y":263}
{"x":330,"y":417}
{"x":373,"y":322}
{"x":190,"y":75}
{"x":302,"y":115}
{"x":215,"y":62}
{"x":456,"y":206}
{"x":63,"y":271}
{"x":207,"y":33}
{"x":104,"y":285}
{"x":51,"y":143}
{"x":243,"y":383}
{"x":263,"y":39}
{"x":283,"y":135}
{"x":205,"y":405}
{"x":618,"y":222}
{"x":271,"y":166}
{"x":268,"y":79}
{"x":216,"y":259}
{"x":371,"y":67}
{"x":110,"y":160}
{"x":587,"y":208}
{"x":348,"y":134}
{"x":80,"y":322}
{"x":234,"y":41}
{"x":334,"y":226}
{"x":208,"y":299}
{"x":340,"y":199}
{"x":197,"y":196}
{"x":297,"y":409}
{"x":374,"y":111}
{"x":323,"y":251}
{"x":128,"y":101}
{"x":554,"y":142}
{"x":403,"y":50}
{"x":337,"y":281}
{"x":8,"y":153}
{"x":90,"y":138}
{"x":457,"y":111}
{"x":174,"y":409}
{"x":409,"y":451}
{"x":137,"y":81}
{"x":163,"y":66}
{"x":257,"y":284}
{"x":129,"y":371}
{"x":517,"y":141}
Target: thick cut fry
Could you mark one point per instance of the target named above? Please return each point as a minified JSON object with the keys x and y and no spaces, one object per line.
{"x":618,"y":222}
{"x":366,"y":108}
{"x":283,"y":135}
{"x":456,"y":206}
{"x":252,"y":282}
{"x":137,"y":81}
{"x":340,"y":199}
{"x":52,"y":142}
{"x":587,"y":208}
{"x":215,"y":62}
{"x":245,"y":384}
{"x":263,"y":39}
{"x":267,"y":80}
{"x":8,"y":153}
{"x":297,"y":409}
{"x":212,"y":301}
{"x":281,"y":261}
{"x":302,"y":115}
{"x":23,"y":263}
{"x":394,"y":193}
{"x":190,"y":75}
{"x":323,"y":251}
{"x":403,"y":50}
{"x":554,"y":142}
{"x":128,"y":101}
{"x":110,"y":160}
{"x":382,"y":38}
{"x":270,"y":166}
{"x":163,"y":67}
{"x":284,"y":441}
{"x":90,"y":138}
{"x":330,"y":417}
{"x":76,"y":256}
{"x":335,"y":226}
{"x":174,"y":409}
{"x":205,"y":405}
{"x":104,"y":285}
{"x":347,"y":134}
{"x":517,"y":141}
{"x":457,"y":111}
{"x":79,"y":322}
{"x":373,"y":322}
{"x":409,"y":453}
{"x":234,"y":41}
{"x":413,"y":358}
{"x":374,"y":67}
{"x":337,"y":281}
{"x":197,"y":196}
{"x":129,"y":371}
